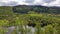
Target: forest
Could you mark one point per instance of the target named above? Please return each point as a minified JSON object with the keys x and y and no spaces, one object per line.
{"x":21,"y":19}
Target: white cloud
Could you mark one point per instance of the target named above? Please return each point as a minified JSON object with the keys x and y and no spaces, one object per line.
{"x":30,"y":2}
{"x":10,"y":3}
{"x":55,"y":3}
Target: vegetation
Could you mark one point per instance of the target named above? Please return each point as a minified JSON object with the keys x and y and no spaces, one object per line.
{"x":45,"y":20}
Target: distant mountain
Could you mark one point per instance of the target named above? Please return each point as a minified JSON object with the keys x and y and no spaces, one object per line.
{"x":37,"y":8}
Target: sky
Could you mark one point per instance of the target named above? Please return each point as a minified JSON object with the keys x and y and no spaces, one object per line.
{"x":30,"y":2}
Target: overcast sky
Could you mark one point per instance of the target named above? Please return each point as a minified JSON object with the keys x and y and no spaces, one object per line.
{"x":30,"y":2}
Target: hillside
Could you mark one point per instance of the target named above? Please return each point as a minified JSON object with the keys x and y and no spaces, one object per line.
{"x":37,"y":9}
{"x":45,"y":20}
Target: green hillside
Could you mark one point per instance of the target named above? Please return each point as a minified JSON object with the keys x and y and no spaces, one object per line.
{"x":34,"y":17}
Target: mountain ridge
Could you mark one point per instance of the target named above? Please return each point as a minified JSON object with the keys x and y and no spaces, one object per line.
{"x":36,"y":8}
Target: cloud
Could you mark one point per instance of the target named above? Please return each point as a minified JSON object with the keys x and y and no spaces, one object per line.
{"x":48,"y":1}
{"x":10,"y":3}
{"x":30,"y":2}
{"x":55,"y":3}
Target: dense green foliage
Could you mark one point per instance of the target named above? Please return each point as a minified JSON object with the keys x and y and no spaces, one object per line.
{"x":44,"y":20}
{"x":37,"y":9}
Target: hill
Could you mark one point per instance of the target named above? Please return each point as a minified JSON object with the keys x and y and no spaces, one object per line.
{"x":36,"y":8}
{"x":45,"y":20}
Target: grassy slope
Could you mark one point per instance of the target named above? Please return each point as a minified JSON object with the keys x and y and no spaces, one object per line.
{"x":7,"y":11}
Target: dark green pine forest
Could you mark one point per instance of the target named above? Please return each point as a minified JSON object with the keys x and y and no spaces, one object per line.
{"x":45,"y":20}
